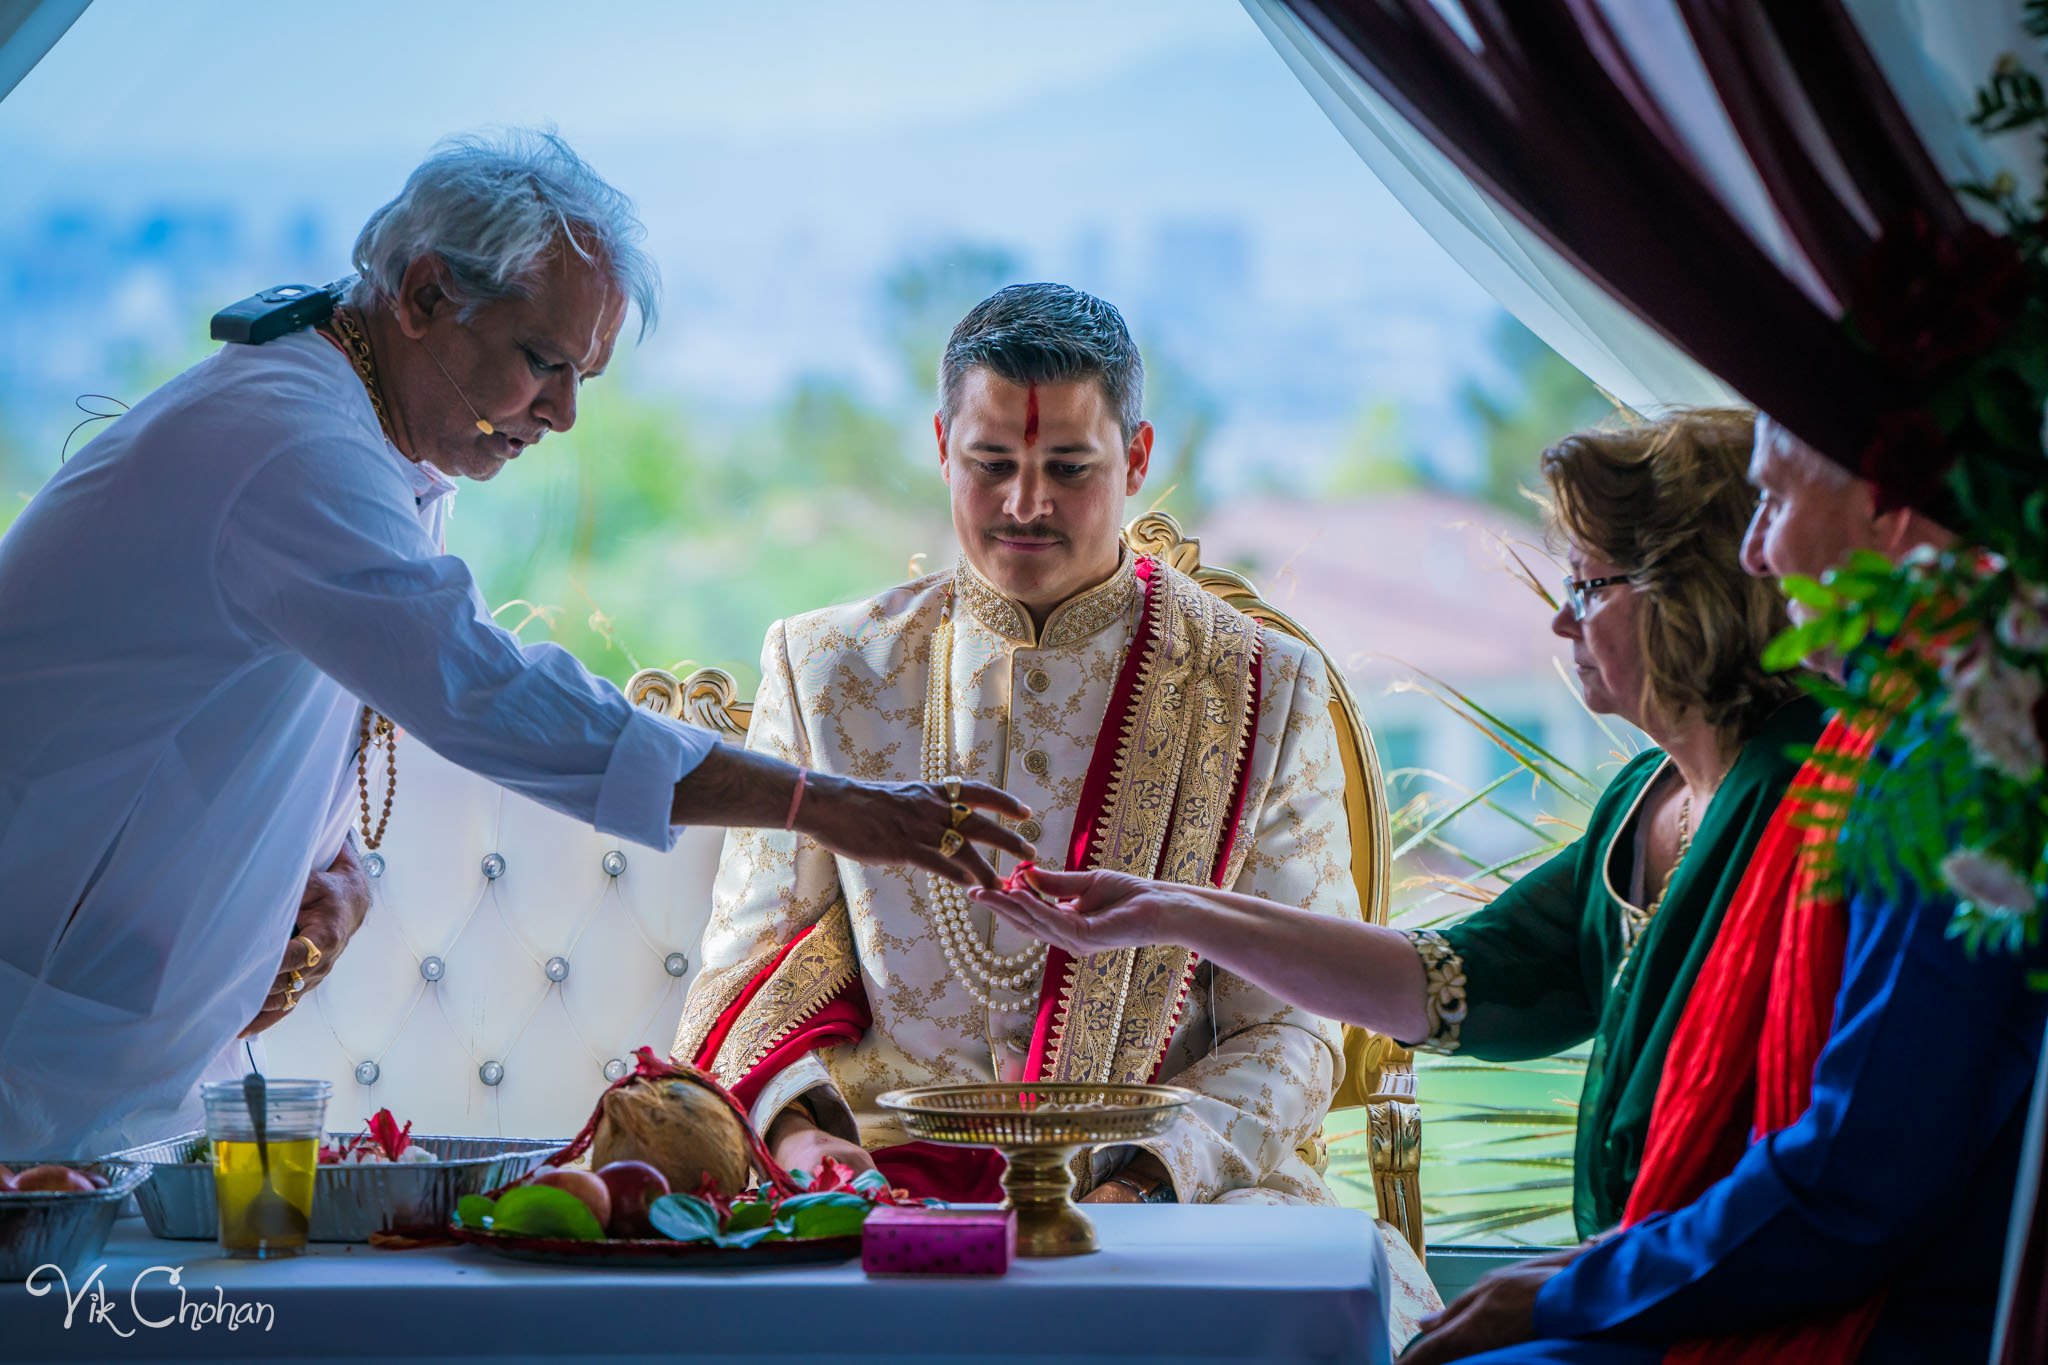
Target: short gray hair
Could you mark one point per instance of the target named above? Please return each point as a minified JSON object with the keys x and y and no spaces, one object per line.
{"x":494,"y":209}
{"x":1047,"y":334}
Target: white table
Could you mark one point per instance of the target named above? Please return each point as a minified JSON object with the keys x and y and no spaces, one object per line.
{"x":1171,"y":1283}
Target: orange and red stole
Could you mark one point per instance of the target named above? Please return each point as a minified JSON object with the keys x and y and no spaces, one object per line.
{"x":1163,"y":797}
{"x":1741,"y":1061}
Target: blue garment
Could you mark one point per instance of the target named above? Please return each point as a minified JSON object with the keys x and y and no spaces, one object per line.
{"x":1898,"y":1178}
{"x":1555,"y":1352}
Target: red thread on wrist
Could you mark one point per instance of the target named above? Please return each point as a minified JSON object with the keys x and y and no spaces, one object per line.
{"x":803,"y":776}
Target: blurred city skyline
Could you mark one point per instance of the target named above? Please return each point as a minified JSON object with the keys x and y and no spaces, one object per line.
{"x":1170,"y":163}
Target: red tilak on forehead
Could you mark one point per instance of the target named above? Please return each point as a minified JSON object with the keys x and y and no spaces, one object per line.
{"x":1031,"y":415}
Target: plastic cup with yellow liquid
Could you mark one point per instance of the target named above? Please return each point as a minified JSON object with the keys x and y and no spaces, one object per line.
{"x":265,"y":1136}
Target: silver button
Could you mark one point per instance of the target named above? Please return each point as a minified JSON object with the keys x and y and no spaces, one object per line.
{"x":557,"y":969}
{"x":614,"y":863}
{"x":374,"y":864}
{"x":432,"y":968}
{"x":616,"y":1069}
{"x":494,"y":865}
{"x":367,"y":1073}
{"x":1038,"y":680}
{"x":676,"y":964}
{"x":490,"y":1073}
{"x":1035,"y":762}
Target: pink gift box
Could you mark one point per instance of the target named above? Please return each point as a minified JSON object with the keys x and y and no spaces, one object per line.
{"x":897,"y":1241}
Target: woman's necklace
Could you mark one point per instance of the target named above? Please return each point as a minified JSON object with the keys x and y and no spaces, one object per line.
{"x":1635,"y":921}
{"x":348,"y":336}
{"x":987,"y":974}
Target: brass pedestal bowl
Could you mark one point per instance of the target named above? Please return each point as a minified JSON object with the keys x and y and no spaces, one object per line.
{"x":1039,"y":1127}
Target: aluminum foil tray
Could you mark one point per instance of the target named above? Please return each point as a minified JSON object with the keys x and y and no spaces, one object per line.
{"x":62,"y":1228}
{"x":349,"y":1202}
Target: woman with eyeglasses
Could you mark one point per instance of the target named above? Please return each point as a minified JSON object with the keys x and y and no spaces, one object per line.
{"x":1603,"y":940}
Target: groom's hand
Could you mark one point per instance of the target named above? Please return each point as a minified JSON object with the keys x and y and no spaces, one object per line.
{"x":331,"y":909}
{"x":801,"y":1145}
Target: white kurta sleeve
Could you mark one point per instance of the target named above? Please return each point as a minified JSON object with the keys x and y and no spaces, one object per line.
{"x":1264,"y":1088}
{"x":340,"y":572}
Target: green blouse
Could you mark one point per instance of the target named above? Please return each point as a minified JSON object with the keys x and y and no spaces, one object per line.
{"x":1541,"y":968}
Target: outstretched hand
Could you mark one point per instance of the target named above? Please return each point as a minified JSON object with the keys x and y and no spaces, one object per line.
{"x":907,"y":822}
{"x":1087,"y":912}
{"x":1499,"y":1310}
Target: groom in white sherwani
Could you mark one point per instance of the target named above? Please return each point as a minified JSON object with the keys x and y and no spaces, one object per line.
{"x":1148,"y":726}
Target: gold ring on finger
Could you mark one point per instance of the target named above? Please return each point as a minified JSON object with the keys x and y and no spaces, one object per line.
{"x":950,"y":843}
{"x":298,"y":983}
{"x":291,"y":1002}
{"x":312,"y":951}
{"x":951,"y":782}
{"x":961,"y":810}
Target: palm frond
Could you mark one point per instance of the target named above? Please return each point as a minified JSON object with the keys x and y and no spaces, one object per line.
{"x":1539,"y":761}
{"x":1501,"y":1219}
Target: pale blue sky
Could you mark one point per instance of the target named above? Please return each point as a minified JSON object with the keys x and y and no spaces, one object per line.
{"x":286,"y":74}
{"x":784,"y":154}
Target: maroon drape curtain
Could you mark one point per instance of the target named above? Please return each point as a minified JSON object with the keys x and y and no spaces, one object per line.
{"x":1549,"y":114}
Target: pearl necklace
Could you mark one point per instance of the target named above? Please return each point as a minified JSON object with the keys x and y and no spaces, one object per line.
{"x":986,"y":974}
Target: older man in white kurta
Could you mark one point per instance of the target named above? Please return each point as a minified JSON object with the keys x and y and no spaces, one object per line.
{"x":846,"y":690}
{"x":198,"y":607}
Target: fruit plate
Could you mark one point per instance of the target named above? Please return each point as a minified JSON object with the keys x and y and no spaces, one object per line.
{"x":659,"y":1253}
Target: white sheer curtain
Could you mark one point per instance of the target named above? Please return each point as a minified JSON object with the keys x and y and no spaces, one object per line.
{"x":28,"y":29}
{"x":1550,"y":297}
{"x":1934,"y":54}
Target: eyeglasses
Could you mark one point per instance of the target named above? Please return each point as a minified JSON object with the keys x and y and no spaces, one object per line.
{"x":1579,"y":591}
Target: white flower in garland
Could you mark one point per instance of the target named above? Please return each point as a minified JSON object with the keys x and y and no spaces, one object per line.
{"x":2023,"y":625}
{"x":1988,"y":882}
{"x":1993,"y":704}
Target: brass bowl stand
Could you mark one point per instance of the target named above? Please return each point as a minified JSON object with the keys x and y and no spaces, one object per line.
{"x":1039,"y":1128}
{"x":1040,"y":1186}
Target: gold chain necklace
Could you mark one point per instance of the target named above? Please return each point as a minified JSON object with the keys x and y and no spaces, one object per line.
{"x":1633,"y":921}
{"x":356,"y":346}
{"x":374,"y":728}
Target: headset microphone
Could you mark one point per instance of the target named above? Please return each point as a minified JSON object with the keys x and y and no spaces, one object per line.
{"x":481,"y":425}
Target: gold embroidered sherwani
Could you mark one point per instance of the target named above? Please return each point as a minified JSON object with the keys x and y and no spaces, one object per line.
{"x":843,"y":690}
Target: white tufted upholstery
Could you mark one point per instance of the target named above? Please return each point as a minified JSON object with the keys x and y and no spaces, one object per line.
{"x":426,"y":1042}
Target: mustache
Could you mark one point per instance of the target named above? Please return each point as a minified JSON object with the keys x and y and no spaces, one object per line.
{"x":1036,"y":534}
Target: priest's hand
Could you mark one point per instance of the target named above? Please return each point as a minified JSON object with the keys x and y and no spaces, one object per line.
{"x":1497,"y":1311}
{"x":801,"y":1145}
{"x":1089,"y":912}
{"x":909,"y":822}
{"x":331,"y":909}
{"x":917,"y":823}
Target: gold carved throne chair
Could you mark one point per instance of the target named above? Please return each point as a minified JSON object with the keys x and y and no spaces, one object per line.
{"x":1379,"y":1073}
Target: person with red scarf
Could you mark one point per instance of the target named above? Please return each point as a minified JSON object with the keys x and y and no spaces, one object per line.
{"x":1834,"y":1145}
